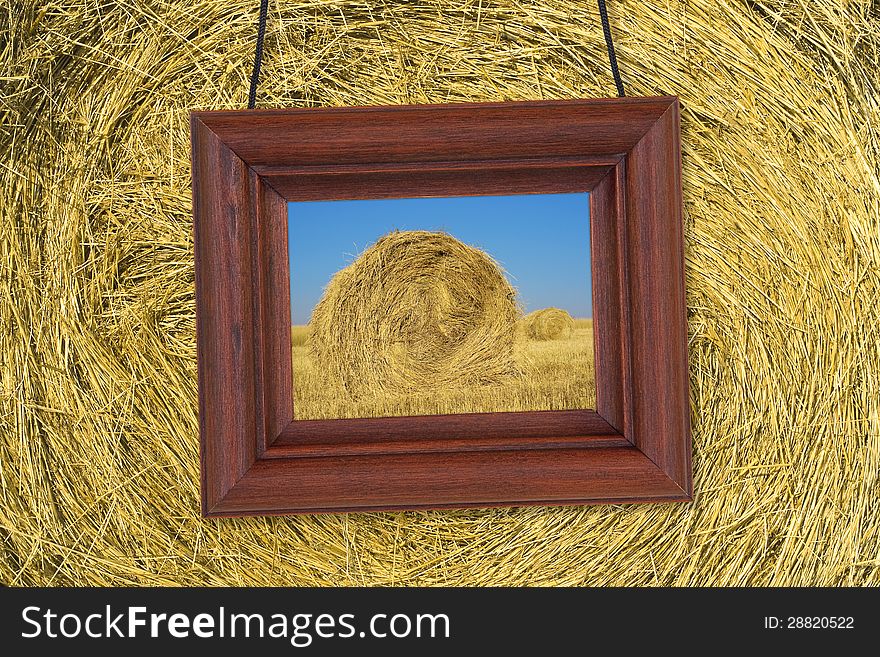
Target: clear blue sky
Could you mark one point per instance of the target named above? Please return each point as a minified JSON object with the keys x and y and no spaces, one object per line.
{"x":541,"y":240}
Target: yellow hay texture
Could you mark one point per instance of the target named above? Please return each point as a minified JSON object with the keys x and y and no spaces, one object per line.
{"x":416,"y":311}
{"x":781,"y":182}
{"x":548,"y":324}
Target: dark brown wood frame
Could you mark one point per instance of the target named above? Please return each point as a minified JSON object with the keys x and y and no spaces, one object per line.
{"x":247,"y":165}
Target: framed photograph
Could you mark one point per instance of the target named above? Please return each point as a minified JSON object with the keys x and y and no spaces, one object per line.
{"x":440,"y":306}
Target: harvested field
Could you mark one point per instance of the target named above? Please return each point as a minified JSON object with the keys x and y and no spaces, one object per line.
{"x":555,"y":375}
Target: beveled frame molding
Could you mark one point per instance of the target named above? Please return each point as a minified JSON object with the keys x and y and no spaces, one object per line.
{"x":246,"y":166}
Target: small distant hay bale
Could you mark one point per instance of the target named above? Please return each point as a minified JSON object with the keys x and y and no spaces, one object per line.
{"x":548,"y":324}
{"x":417,"y":311}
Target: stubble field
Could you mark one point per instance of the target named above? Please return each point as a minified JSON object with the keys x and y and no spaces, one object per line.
{"x":554,"y":375}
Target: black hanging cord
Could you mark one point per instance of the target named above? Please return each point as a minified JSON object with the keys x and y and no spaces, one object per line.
{"x":261,"y":33}
{"x":606,"y":28}
{"x":258,"y":56}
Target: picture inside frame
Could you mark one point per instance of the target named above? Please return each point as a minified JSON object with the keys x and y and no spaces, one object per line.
{"x":435,"y":306}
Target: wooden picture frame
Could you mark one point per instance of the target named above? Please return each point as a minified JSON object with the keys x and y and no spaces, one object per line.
{"x":246,"y":166}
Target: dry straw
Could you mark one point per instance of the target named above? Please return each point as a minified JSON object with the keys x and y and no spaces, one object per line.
{"x":548,"y":324}
{"x":781,"y":173}
{"x":417,"y":311}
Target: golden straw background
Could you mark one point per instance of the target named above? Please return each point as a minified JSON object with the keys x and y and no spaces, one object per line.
{"x":98,"y":427}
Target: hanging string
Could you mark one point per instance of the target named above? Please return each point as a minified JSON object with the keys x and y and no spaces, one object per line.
{"x":258,"y":56}
{"x":606,"y":28}
{"x":261,"y":33}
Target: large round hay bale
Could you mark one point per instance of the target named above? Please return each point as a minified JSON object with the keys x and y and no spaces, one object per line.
{"x":416,"y":311}
{"x":548,"y":324}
